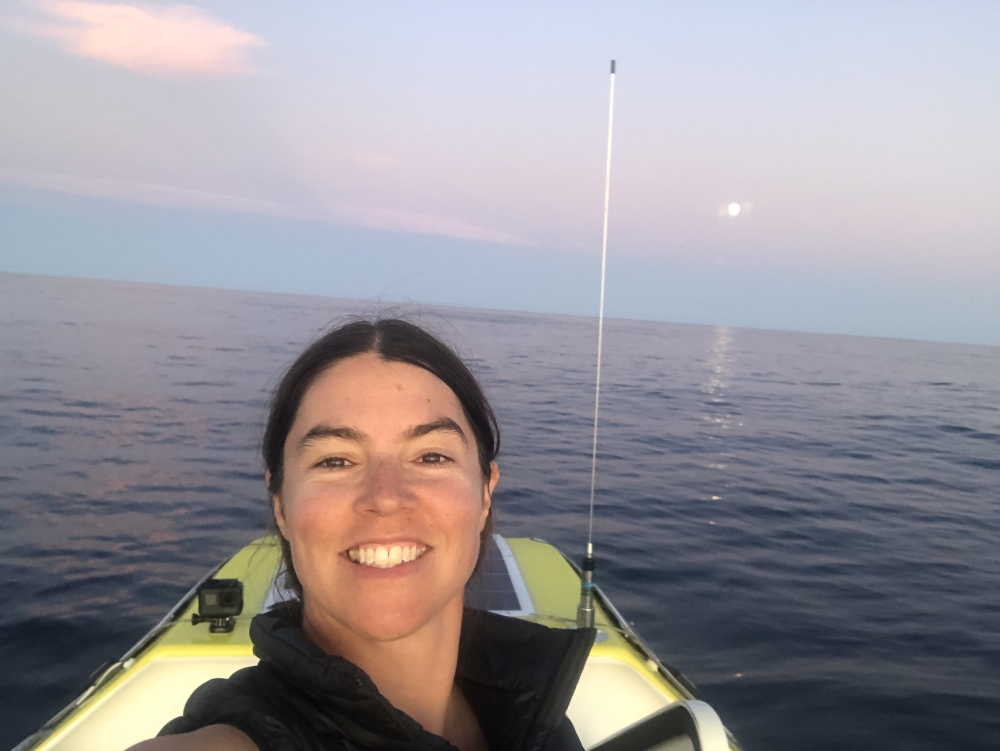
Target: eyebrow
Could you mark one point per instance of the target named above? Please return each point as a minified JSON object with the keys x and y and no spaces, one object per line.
{"x":444,"y":423}
{"x":321,"y":432}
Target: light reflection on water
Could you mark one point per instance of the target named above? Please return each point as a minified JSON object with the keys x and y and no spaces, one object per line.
{"x":719,"y":360}
{"x":718,"y":409}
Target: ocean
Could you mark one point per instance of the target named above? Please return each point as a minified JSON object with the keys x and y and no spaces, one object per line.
{"x":806,"y":525}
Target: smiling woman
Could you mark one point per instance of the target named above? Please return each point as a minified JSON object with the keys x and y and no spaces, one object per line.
{"x":380,"y":454}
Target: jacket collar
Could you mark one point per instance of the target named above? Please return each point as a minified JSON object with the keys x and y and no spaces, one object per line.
{"x":518,"y":676}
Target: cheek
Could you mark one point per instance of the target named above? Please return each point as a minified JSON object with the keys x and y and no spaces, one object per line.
{"x":462,"y":521}
{"x":313,"y":513}
{"x":463,"y":517}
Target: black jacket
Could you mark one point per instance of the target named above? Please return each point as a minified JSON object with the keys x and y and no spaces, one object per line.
{"x":517,"y":676}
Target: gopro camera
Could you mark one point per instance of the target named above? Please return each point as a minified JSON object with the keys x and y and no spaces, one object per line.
{"x":219,"y":601}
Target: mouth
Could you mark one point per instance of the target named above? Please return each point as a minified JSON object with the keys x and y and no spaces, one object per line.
{"x":386,"y":556}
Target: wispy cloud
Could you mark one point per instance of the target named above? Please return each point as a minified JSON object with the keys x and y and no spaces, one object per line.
{"x":354,"y":215}
{"x":420,"y":223}
{"x":175,"y":40}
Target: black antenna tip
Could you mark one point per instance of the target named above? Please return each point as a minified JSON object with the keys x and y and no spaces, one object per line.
{"x":612,"y":67}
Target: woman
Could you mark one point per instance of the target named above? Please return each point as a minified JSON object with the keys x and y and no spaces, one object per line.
{"x":380,"y":454}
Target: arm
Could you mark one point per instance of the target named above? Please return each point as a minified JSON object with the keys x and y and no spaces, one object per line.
{"x":211,"y":738}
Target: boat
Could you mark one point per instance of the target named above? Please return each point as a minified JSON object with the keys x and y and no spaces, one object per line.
{"x":626,"y":700}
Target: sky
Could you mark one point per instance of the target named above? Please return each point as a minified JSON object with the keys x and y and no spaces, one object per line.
{"x":454,"y":153}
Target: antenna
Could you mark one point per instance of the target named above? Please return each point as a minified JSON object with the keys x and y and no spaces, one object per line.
{"x":585,"y":611}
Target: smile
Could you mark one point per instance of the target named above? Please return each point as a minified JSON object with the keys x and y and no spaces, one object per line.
{"x":381,"y":556}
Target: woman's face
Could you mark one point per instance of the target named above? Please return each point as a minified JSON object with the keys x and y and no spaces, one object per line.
{"x":383,"y":499}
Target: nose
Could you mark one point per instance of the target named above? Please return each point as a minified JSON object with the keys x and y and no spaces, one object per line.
{"x":385,"y":491}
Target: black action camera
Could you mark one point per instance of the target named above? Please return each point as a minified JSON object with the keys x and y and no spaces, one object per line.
{"x":219,"y":600}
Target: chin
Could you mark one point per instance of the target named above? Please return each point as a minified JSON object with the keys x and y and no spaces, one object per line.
{"x":383,"y":608}
{"x":391,"y":623}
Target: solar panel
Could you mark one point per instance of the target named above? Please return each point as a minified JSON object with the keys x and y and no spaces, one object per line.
{"x":497,"y":585}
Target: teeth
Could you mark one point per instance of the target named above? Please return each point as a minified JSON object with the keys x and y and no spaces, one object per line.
{"x":380,"y":556}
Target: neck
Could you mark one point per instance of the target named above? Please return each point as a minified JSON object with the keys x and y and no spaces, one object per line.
{"x":416,"y":673}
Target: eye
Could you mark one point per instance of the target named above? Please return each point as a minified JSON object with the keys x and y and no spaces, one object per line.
{"x":334,"y":462}
{"x":432,"y":457}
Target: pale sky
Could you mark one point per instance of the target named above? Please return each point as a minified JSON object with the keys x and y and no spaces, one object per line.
{"x":454,"y":153}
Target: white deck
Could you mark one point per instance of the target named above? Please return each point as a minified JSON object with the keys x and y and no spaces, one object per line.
{"x":142,"y":704}
{"x":611,"y":695}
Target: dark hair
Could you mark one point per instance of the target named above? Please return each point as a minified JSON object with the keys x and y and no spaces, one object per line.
{"x":393,"y":340}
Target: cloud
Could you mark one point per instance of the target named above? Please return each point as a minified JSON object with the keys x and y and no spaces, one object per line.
{"x":419,"y":223}
{"x":157,"y":194}
{"x":175,"y":40}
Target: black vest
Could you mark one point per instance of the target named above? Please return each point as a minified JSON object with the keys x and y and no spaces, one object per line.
{"x":517,"y":676}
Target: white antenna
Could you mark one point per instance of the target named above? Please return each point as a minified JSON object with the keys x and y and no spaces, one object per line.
{"x":585,"y":612}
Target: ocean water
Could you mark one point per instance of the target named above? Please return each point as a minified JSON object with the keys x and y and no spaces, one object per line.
{"x":808,"y":526}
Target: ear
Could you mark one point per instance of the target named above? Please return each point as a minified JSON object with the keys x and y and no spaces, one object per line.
{"x":279,"y":513}
{"x":488,"y":493}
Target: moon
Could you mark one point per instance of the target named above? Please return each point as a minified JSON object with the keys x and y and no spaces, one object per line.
{"x":733,"y":209}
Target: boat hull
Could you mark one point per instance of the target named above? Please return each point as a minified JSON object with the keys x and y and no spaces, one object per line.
{"x":622,"y":684}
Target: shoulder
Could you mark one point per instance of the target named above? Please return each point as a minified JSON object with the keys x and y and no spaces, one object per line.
{"x":252,"y":706}
{"x":495,"y":649}
{"x":519,"y":678}
{"x":209,"y":738}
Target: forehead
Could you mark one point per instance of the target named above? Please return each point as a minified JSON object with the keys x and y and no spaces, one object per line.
{"x":366,"y":387}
